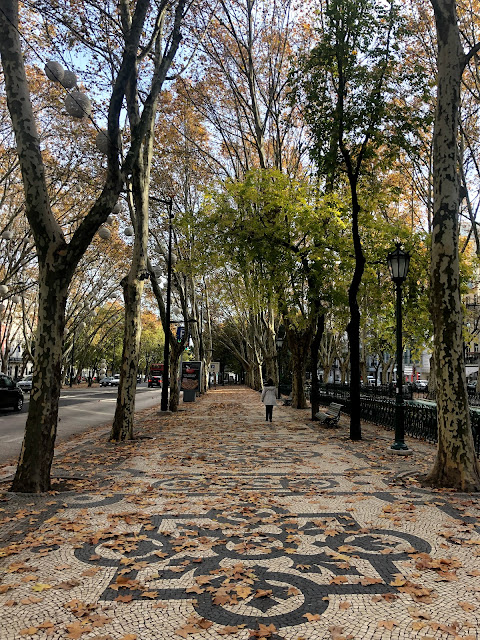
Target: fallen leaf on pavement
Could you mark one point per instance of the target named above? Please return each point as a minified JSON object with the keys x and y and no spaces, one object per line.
{"x":41,"y":587}
{"x":387,"y":624}
{"x":123,"y":598}
{"x":311,"y":617}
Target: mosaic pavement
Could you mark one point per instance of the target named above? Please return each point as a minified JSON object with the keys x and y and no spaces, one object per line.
{"x":215,"y":524}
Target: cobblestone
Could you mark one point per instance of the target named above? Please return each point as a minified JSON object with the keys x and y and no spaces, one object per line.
{"x":215,"y":524}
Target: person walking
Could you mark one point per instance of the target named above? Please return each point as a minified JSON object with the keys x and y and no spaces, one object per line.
{"x":269,"y":398}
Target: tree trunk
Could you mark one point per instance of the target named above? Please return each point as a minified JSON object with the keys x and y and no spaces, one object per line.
{"x":270,"y":357}
{"x":257,"y":379}
{"x":299,"y":344}
{"x":314,"y":348}
{"x":353,"y":328}
{"x":176,"y":350}
{"x":133,"y":285}
{"x":327,"y":354}
{"x":122,"y":427}
{"x":57,"y":260}
{"x":36,"y":455}
{"x":456,"y":464}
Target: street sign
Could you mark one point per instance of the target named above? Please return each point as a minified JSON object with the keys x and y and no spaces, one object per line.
{"x":180,"y":333}
{"x":214,"y":367}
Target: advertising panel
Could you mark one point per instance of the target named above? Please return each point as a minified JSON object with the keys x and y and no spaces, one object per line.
{"x":190,"y":378}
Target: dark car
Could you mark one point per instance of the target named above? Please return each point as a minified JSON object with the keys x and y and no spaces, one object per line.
{"x":10,"y":394}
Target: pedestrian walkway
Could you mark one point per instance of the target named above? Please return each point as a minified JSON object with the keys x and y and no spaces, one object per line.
{"x":216,"y":524}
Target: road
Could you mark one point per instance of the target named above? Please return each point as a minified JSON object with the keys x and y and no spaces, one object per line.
{"x":79,"y":410}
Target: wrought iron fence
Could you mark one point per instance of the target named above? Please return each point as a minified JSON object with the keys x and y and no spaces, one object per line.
{"x":420,"y":418}
{"x":381,"y":390}
{"x":473,"y":397}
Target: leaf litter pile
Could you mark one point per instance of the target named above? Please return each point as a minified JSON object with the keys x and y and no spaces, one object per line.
{"x":216,"y":525}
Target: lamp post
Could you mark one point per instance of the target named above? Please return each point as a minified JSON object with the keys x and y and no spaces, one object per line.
{"x":398,"y":262}
{"x":166,"y":353}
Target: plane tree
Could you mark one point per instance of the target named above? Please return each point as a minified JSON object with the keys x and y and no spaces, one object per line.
{"x":361,"y":104}
{"x":456,"y":464}
{"x":278,"y":229}
{"x":58,"y":254}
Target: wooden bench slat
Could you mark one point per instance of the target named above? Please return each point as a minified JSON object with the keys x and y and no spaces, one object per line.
{"x":331,"y":415}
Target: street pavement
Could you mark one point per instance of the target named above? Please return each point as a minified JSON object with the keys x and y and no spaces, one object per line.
{"x":216,"y":524}
{"x":79,"y":408}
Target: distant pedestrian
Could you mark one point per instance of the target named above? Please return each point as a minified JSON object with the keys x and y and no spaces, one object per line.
{"x":269,"y":398}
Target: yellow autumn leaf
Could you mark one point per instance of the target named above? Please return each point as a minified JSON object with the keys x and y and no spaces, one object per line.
{"x":40,"y":586}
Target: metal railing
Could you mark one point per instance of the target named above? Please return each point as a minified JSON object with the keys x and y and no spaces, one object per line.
{"x":420,"y":418}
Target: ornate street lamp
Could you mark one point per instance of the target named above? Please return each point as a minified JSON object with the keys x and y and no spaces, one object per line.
{"x":166,"y":354}
{"x":398,"y":262}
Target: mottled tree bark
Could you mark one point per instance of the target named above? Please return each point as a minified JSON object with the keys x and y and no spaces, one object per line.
{"x":176,"y":350}
{"x":299,"y":341}
{"x":270,"y":356}
{"x":36,"y":455}
{"x":57,"y":259}
{"x":456,"y":464}
{"x":133,"y":285}
{"x":122,"y":426}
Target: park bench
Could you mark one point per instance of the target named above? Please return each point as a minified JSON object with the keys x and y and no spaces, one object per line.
{"x":288,"y":401}
{"x":331,"y":415}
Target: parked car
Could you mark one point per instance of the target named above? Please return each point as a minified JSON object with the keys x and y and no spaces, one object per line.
{"x":110,"y":381}
{"x":10,"y":394}
{"x":420,"y":385}
{"x":25,"y":383}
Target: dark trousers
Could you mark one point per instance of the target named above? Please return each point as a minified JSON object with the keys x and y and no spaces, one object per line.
{"x":268,"y":412}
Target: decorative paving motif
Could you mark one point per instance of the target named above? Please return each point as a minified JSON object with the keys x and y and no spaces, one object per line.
{"x":224,"y":526}
{"x":279,"y":483}
{"x":266,"y":566}
{"x":240,"y":454}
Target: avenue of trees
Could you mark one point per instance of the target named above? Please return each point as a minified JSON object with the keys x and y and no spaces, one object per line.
{"x":295,"y":144}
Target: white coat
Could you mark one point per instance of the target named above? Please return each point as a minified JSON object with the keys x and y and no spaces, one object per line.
{"x":269,"y":395}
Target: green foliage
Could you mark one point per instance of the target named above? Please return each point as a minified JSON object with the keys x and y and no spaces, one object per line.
{"x":282,"y":234}
{"x":361,"y":92}
{"x":378,"y":292}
